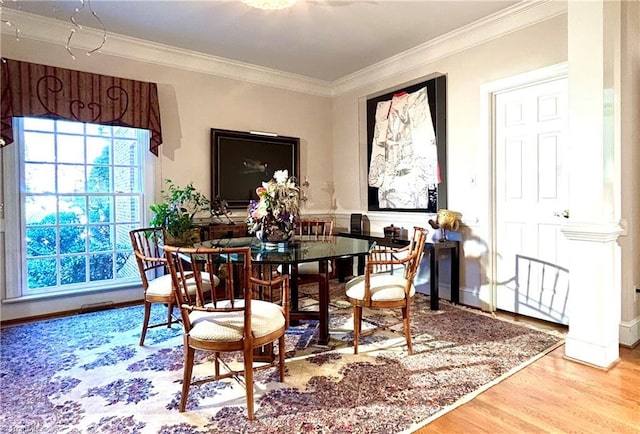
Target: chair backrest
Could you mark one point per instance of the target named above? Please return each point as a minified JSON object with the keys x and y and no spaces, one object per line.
{"x":416,"y":252}
{"x":191,"y":267}
{"x":147,"y":248}
{"x":314,"y":229}
{"x":190,"y":270}
{"x":386,"y":259}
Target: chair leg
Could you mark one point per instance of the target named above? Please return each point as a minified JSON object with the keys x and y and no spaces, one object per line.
{"x":357,"y":319}
{"x":186,"y":377}
{"x":216,"y":364}
{"x":248,"y":379}
{"x":169,"y":314}
{"x":145,"y":321}
{"x":281,"y":343}
{"x":407,"y":328}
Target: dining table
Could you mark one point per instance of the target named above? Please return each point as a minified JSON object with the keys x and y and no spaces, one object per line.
{"x":297,"y":252}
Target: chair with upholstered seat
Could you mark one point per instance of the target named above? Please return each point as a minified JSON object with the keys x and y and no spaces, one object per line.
{"x":155,"y":277}
{"x":388,"y":283}
{"x":238,"y":320}
{"x":320,"y":230}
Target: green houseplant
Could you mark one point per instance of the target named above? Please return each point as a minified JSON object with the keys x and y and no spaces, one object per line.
{"x":175,"y":214}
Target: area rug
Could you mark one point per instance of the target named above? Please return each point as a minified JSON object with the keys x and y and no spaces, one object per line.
{"x":87,"y":374}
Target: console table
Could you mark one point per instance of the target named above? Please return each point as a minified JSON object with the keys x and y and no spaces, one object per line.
{"x":434,"y":250}
{"x":214,"y":231}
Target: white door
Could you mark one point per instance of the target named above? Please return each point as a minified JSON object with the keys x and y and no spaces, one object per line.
{"x":531,"y":200}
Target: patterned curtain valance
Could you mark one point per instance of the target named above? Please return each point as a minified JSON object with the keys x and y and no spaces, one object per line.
{"x":29,"y":89}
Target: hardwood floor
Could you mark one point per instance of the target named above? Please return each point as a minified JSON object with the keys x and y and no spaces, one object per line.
{"x":554,"y":395}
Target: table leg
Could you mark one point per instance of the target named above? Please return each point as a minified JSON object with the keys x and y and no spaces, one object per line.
{"x":323,"y":289}
{"x":293,"y":290}
{"x":434,"y":292}
{"x":455,"y":275}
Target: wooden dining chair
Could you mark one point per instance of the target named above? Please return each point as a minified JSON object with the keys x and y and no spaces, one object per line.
{"x":388,"y":283}
{"x":154,"y":274}
{"x":317,"y":229}
{"x":235,"y":319}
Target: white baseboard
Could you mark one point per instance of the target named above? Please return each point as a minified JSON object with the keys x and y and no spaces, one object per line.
{"x":630,"y":332}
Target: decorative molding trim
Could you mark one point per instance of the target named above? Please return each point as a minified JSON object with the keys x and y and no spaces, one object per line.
{"x":494,"y":26}
{"x":595,"y":232}
{"x":509,"y":20}
{"x":56,"y":32}
{"x":630,"y":332}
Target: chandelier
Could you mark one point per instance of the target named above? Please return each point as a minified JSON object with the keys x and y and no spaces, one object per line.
{"x":270,"y":5}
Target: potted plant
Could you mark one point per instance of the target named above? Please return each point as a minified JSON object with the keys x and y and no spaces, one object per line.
{"x":175,"y":214}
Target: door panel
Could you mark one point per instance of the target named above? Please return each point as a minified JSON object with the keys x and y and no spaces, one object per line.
{"x":531,"y":195}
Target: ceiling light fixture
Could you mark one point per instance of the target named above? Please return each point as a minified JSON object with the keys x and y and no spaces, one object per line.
{"x":270,"y":5}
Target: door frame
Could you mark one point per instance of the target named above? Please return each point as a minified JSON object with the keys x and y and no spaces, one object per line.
{"x":487,"y":116}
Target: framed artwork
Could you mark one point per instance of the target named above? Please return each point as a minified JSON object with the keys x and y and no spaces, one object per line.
{"x":407,"y":148}
{"x":241,"y":161}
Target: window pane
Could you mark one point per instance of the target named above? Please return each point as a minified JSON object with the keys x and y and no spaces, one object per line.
{"x":126,"y":266}
{"x":70,"y":127}
{"x":70,"y":179}
{"x":41,"y":124}
{"x":125,"y":153}
{"x":99,"y":179}
{"x":72,"y":209}
{"x":99,"y":130}
{"x":40,"y":210}
{"x":41,"y":273}
{"x":125,"y":132}
{"x":39,"y":147}
{"x":123,"y":241}
{"x":73,"y":269}
{"x":70,"y":149}
{"x":125,"y":179}
{"x":73,"y":239}
{"x":100,"y":239}
{"x":98,"y":150}
{"x":39,"y":178}
{"x":101,"y":267}
{"x":41,"y":241}
{"x":100,"y":209}
{"x":127,"y":209}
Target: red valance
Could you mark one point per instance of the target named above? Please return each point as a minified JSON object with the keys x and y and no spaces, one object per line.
{"x":30,"y":89}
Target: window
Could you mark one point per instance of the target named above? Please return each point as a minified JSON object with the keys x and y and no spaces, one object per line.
{"x":81,"y":192}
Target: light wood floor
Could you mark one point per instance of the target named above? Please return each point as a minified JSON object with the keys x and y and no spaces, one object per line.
{"x":554,"y":395}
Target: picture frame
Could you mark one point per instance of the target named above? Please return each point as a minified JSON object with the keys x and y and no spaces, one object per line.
{"x":242,"y":160}
{"x":436,"y":89}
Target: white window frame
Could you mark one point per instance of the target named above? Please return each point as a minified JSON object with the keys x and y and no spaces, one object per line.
{"x":14,"y":229}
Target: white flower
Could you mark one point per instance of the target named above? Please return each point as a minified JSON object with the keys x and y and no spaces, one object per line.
{"x":281,"y":176}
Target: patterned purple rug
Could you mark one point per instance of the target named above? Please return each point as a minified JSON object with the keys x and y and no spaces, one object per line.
{"x":87,"y":374}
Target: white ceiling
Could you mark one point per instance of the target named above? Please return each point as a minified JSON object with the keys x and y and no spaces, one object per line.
{"x":322,"y":39}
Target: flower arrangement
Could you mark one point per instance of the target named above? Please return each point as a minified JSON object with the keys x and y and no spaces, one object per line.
{"x":272,"y":217}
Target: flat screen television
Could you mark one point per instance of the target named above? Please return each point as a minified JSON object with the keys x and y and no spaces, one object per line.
{"x":241,"y":161}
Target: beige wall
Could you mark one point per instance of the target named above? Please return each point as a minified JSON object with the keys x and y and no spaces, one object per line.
{"x":333,"y":137}
{"x":630,"y":161}
{"x":467,"y":151}
{"x":191,"y":104}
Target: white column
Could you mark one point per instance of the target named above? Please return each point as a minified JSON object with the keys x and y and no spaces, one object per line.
{"x":593,"y":229}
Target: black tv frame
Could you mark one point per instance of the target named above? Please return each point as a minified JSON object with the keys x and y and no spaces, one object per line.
{"x":242,"y":160}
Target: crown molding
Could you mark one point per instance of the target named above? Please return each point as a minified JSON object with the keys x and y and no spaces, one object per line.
{"x":494,"y":26}
{"x":56,"y":32}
